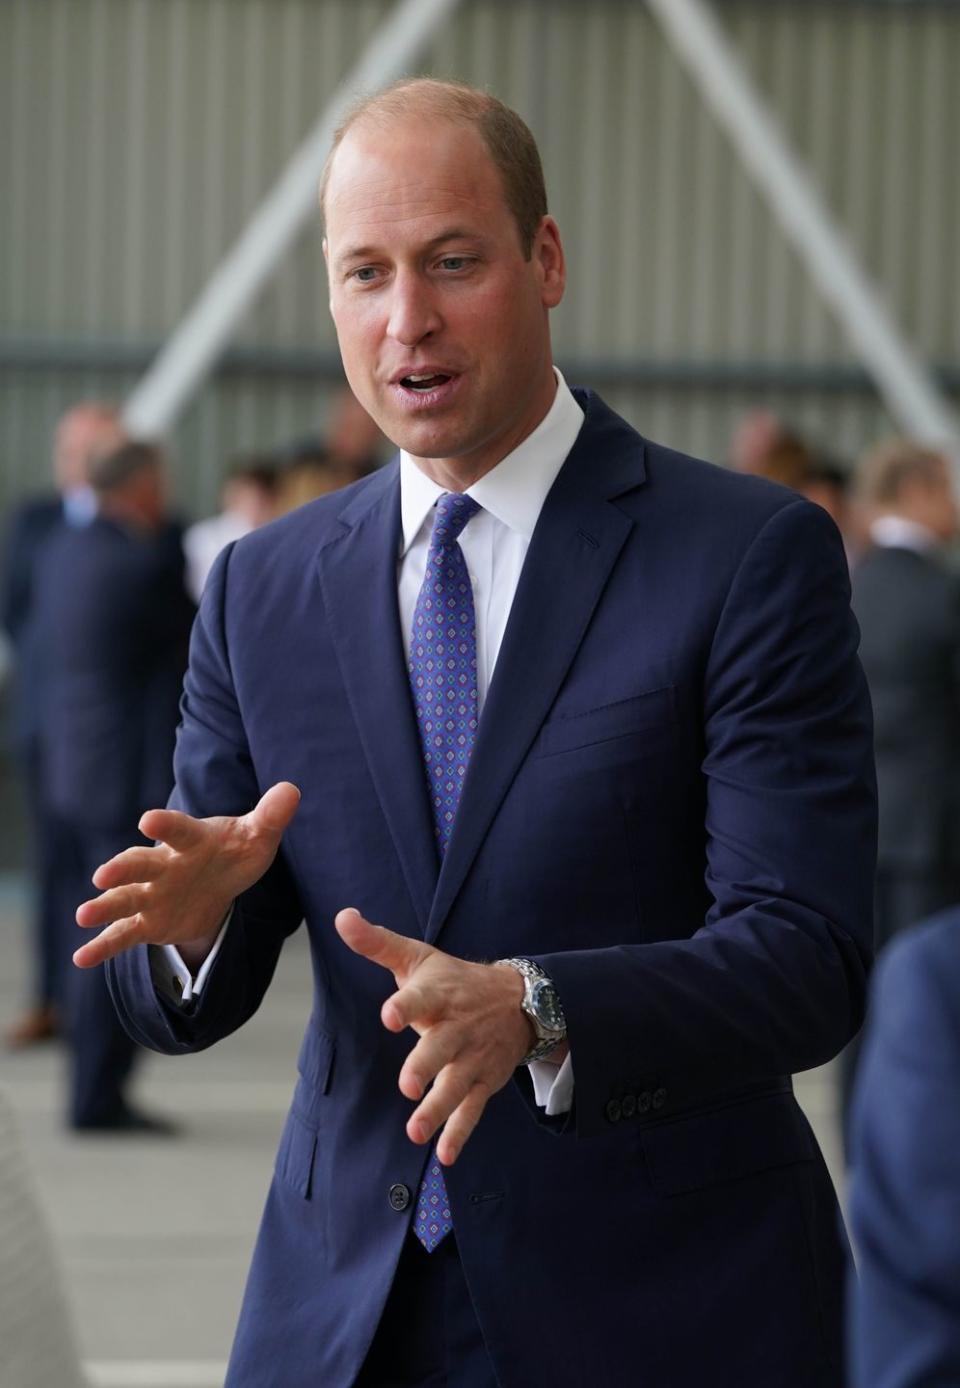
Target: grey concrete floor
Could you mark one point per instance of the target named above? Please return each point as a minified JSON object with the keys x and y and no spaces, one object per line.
{"x":154,"y":1235}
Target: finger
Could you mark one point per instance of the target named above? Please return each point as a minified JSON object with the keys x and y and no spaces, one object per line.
{"x":176,"y":830}
{"x":275,"y":808}
{"x":398,"y":953}
{"x":413,"y":1005}
{"x":111,"y":906}
{"x":437,"y":1048}
{"x":451,"y":1087}
{"x":121,"y":935}
{"x":461,"y":1124}
{"x":133,"y":865}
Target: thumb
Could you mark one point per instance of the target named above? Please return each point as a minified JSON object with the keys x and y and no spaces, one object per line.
{"x":398,"y":953}
{"x":275,"y":809}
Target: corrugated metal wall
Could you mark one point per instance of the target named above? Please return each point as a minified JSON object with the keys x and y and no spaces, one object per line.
{"x":139,"y":134}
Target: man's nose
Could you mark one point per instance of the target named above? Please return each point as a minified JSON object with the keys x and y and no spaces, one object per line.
{"x":414,"y":314}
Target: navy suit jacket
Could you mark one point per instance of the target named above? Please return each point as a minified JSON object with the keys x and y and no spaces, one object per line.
{"x":113,"y":617}
{"x":670,"y":803}
{"x":905,"y":1182}
{"x":31,"y":528}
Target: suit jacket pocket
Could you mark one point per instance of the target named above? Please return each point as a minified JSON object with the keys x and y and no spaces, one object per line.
{"x":298,"y":1146}
{"x":315,"y":1061}
{"x":726,"y":1144}
{"x":641,"y":714}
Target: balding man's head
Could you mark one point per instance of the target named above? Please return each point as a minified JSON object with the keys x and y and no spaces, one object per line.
{"x":86,"y":432}
{"x":508,"y":139}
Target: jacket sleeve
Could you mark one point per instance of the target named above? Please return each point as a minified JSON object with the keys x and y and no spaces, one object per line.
{"x":214,"y":776}
{"x":773,"y":980}
{"x":905,"y":1178}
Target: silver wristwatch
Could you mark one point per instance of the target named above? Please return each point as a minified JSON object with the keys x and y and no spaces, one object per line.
{"x":542,"y":1006}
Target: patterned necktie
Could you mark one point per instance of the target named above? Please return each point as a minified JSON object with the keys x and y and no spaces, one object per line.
{"x":443,"y":677}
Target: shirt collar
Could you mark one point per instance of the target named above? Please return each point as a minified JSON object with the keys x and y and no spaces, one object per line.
{"x":897,"y":532}
{"x":514,"y":491}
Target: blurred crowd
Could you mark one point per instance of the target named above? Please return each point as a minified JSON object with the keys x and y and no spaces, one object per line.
{"x":100,"y":585}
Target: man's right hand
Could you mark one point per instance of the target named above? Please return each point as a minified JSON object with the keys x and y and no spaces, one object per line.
{"x":179,"y":891}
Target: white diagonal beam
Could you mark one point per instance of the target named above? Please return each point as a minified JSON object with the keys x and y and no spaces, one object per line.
{"x":187,"y":356}
{"x":910,"y":392}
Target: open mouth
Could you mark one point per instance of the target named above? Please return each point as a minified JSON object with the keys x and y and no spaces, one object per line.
{"x":424,"y":383}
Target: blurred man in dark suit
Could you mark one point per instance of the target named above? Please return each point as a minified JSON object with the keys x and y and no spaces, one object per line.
{"x":907,"y":601}
{"x":116,"y":616}
{"x":905,"y":1185}
{"x":86,"y":431}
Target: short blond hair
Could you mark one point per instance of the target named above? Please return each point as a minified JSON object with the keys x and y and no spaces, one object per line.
{"x":884,"y":471}
{"x":507,"y":137}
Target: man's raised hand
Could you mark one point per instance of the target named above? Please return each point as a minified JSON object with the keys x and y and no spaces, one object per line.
{"x":179,"y":891}
{"x":472,"y":1031}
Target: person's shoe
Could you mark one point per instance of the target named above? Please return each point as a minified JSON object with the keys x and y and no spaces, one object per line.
{"x":33,"y":1028}
{"x":127,"y":1122}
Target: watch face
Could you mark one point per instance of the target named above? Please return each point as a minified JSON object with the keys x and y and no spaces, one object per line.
{"x":546,"y":1005}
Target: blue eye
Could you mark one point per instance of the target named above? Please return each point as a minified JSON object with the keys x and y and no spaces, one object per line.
{"x":365,"y":274}
{"x":454,"y":262}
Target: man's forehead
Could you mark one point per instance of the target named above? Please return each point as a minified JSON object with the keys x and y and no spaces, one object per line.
{"x":417,"y":169}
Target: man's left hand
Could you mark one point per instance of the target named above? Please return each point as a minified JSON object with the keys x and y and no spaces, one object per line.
{"x":472,"y":1031}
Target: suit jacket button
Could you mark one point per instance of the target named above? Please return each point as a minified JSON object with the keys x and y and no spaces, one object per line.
{"x":628,"y":1105}
{"x":399,"y":1196}
{"x":613,"y":1111}
{"x":659,"y":1098}
{"x":644,"y":1101}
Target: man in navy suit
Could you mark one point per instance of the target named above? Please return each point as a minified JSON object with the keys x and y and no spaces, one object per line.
{"x":905,"y":1177}
{"x":116,"y":620}
{"x":87,"y":431}
{"x":557,"y":698}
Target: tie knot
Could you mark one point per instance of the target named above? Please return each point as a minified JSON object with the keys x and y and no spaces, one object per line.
{"x":454,"y":509}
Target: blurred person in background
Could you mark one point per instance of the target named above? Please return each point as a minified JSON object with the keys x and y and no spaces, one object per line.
{"x":756,"y":434}
{"x":306,"y":469}
{"x":352,"y":437}
{"x":87,"y":431}
{"x":764,"y":446}
{"x":115,"y":618}
{"x":907,"y":601}
{"x":248,"y":499}
{"x":904,"y":1186}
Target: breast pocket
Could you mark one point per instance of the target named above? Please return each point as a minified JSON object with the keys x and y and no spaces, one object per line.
{"x":621,"y":729}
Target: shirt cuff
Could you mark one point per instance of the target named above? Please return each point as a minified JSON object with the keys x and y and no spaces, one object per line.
{"x":171,"y":976}
{"x":553,"y":1088}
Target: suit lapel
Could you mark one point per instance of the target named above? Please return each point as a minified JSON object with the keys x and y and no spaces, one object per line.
{"x":572,"y":552}
{"x":358,"y":575}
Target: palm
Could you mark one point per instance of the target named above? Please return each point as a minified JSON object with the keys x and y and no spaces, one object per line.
{"x":178,"y":891}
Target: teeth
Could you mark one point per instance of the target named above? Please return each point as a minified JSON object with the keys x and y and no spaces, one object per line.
{"x":428,"y":377}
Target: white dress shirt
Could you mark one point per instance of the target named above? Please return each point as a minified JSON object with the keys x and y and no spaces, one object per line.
{"x":897,"y":532}
{"x":494,"y":544}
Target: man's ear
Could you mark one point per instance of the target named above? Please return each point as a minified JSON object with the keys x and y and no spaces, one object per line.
{"x":547,"y":254}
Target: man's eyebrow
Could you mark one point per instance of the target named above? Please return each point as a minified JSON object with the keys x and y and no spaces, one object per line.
{"x":368,"y":252}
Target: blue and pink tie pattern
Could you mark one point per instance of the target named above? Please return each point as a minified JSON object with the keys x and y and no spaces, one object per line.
{"x":443,"y":677}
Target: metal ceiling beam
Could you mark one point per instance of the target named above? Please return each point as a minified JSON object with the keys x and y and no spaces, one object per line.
{"x":906,"y":385}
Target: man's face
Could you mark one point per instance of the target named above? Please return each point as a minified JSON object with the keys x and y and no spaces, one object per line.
{"x":442,"y":322}
{"x":84,"y":432}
